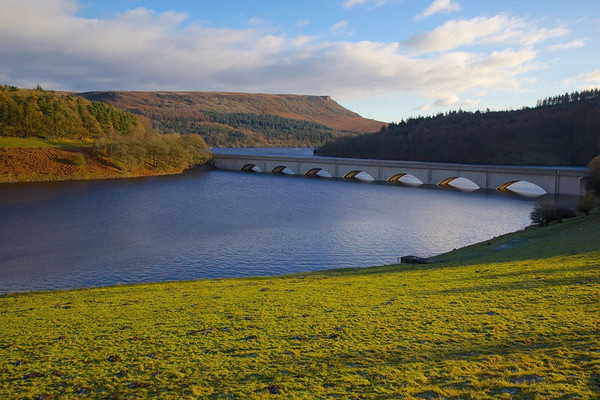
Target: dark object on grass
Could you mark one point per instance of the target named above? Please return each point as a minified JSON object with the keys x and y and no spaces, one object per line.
{"x":274,"y":389}
{"x":415,"y":260}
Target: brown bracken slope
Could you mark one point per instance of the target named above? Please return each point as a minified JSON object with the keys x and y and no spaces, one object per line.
{"x":319,"y":109}
{"x":50,"y":164}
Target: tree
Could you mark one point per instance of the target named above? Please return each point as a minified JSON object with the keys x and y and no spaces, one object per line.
{"x":593,"y":178}
{"x":546,"y":212}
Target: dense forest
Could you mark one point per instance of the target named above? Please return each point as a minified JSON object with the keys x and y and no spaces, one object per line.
{"x":124,"y":138}
{"x":246,"y":129}
{"x":560,"y":130}
{"x":243,"y":119}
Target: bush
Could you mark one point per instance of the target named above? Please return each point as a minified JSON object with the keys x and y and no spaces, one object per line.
{"x":544,"y":213}
{"x":79,"y":160}
{"x":587,"y":203}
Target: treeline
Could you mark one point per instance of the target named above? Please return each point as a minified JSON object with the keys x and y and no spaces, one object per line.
{"x":159,"y":152}
{"x":276,"y":128}
{"x":123,"y":138}
{"x":244,"y":129}
{"x":46,"y":114}
{"x":569,"y":98}
{"x":564,"y":130}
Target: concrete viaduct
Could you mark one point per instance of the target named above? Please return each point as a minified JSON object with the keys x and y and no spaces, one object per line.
{"x":554,"y":180}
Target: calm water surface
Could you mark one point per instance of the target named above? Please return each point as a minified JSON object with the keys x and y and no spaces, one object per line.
{"x":208,"y":224}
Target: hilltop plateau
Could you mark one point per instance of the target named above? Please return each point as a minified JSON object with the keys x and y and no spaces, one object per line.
{"x":243,"y":119}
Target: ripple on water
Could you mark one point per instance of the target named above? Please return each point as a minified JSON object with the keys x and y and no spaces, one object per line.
{"x":228,"y":224}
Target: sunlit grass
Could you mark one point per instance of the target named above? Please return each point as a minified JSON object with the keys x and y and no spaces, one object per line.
{"x":39,"y":143}
{"x":524,"y":327}
{"x":8,"y":141}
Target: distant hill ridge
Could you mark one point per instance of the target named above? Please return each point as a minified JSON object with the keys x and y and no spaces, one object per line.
{"x":243,"y":119}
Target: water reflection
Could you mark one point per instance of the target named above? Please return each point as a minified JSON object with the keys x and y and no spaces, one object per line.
{"x":526,"y":189}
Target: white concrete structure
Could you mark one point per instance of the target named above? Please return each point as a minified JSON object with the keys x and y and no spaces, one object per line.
{"x":556,"y":180}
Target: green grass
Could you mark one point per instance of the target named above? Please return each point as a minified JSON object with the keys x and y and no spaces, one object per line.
{"x":519,"y":318}
{"x":65,"y":144}
{"x":8,"y":141}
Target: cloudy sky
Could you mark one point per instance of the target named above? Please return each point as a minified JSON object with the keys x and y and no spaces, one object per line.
{"x":385,"y":59}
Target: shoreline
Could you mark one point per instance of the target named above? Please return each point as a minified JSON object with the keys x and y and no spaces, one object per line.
{"x":43,"y":165}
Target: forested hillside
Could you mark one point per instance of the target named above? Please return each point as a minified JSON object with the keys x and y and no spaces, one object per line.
{"x":47,"y":123}
{"x":560,"y":130}
{"x":243,"y":119}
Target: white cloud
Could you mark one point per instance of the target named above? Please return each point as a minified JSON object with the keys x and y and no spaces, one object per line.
{"x":352,"y":3}
{"x":302,"y":22}
{"x":256,"y":21}
{"x":374,"y":3}
{"x":449,"y":101}
{"x":570,"y":45}
{"x":339,"y":26}
{"x":500,"y":29}
{"x":48,"y":43}
{"x":589,"y":79}
{"x":438,"y":6}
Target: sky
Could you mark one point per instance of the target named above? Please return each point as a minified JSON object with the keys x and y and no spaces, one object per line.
{"x":385,"y":59}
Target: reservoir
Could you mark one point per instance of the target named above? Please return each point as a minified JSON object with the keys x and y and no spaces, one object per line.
{"x":215,"y":224}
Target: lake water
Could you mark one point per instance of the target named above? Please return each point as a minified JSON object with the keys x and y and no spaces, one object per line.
{"x":209,"y":224}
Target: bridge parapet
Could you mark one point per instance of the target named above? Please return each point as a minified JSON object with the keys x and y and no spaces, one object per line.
{"x":555,"y":180}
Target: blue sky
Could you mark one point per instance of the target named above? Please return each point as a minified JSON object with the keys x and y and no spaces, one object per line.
{"x":385,"y":59}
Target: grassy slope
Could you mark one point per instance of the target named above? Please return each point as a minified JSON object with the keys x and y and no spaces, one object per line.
{"x":519,"y":318}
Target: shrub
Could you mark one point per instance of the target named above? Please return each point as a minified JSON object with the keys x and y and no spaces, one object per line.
{"x":563,"y":212}
{"x":544,"y":213}
{"x":587,"y":203}
{"x":79,"y":160}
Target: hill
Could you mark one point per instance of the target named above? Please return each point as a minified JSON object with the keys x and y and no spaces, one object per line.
{"x":243,"y":119}
{"x":47,"y":135}
{"x":561,"y":130}
{"x":513,"y":318}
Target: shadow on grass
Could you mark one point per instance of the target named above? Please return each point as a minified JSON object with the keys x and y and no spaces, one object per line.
{"x":539,"y":272}
{"x":574,"y":236}
{"x":527,"y":284}
{"x":494,"y":364}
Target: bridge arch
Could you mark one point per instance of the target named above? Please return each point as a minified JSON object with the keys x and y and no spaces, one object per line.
{"x":523,"y":188}
{"x":251,"y":168}
{"x":358,"y":175}
{"x":321,"y":172}
{"x":459,"y":182}
{"x":405,"y":178}
{"x":282,"y":169}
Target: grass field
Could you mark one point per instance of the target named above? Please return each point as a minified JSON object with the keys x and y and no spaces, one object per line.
{"x":516,"y":318}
